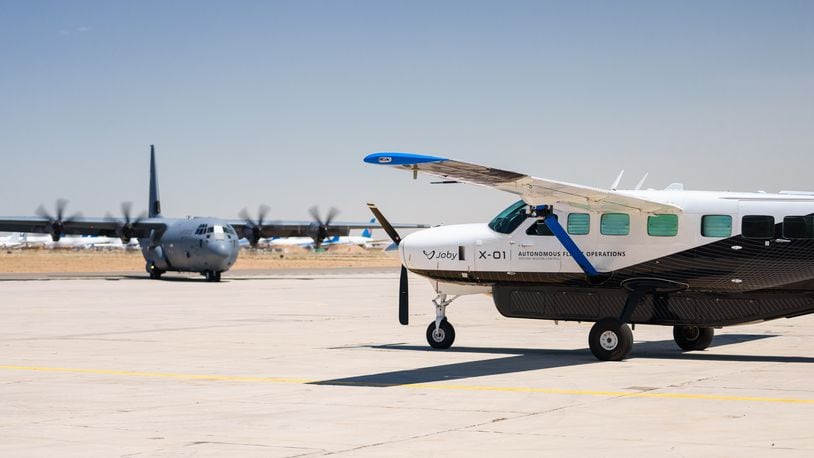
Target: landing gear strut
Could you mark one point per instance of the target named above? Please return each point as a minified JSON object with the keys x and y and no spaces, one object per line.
{"x":440,"y":333}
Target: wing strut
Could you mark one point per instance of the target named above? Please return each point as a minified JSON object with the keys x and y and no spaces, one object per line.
{"x":571,"y":246}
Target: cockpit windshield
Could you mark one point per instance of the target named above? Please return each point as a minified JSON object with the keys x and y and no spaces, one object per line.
{"x":508,"y":220}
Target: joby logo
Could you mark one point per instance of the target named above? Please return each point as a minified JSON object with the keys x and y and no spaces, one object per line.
{"x":440,"y":255}
{"x":385,"y":160}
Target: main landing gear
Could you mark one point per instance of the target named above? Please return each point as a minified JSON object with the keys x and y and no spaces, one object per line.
{"x":440,"y":333}
{"x":611,"y":339}
{"x":691,"y":338}
{"x":212,"y":276}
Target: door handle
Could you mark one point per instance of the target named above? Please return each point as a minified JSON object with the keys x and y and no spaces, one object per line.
{"x":526,"y":244}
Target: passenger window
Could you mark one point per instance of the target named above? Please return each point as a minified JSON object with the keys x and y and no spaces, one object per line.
{"x":614,"y":224}
{"x":757,"y":226}
{"x":662,"y":225}
{"x":540,"y":228}
{"x":798,"y":227}
{"x":716,"y":226}
{"x":579,"y":223}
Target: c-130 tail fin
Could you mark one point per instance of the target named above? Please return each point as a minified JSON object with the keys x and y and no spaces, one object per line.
{"x":155,"y":202}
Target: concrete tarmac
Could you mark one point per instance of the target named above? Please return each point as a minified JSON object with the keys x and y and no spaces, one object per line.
{"x":309,"y":364}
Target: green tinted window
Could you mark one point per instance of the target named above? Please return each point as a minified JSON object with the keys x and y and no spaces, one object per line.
{"x":716,"y":225}
{"x":614,"y":224}
{"x":662,"y":225}
{"x":579,"y":223}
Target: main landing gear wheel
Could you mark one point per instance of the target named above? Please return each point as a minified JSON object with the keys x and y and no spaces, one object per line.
{"x":442,"y":337}
{"x":212,"y":276}
{"x":691,"y":338}
{"x":610,"y":339}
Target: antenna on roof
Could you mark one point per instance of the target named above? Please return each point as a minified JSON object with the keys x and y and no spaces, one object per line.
{"x":641,"y":182}
{"x":618,"y":179}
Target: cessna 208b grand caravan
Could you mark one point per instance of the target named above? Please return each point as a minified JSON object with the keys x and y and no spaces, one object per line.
{"x":693,"y":260}
{"x":205,"y":245}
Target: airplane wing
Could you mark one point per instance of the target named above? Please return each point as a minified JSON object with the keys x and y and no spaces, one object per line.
{"x":308,"y":228}
{"x":534,"y":190}
{"x":109,"y":227}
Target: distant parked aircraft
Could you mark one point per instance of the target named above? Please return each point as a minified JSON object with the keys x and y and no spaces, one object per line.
{"x":205,"y":245}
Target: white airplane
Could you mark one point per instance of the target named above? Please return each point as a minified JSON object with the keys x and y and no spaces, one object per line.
{"x":694,"y":260}
{"x":11,"y":241}
{"x":365,"y":240}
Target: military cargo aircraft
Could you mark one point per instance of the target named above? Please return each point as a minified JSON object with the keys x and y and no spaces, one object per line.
{"x":694,"y":260}
{"x":208,"y":246}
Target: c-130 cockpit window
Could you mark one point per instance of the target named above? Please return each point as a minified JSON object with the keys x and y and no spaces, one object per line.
{"x":508,"y":220}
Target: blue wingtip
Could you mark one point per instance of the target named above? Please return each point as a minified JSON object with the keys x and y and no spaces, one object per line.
{"x":401,"y":159}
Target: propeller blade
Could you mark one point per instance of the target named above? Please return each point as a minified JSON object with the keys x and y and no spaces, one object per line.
{"x":61,"y":204}
{"x":244,"y":215}
{"x":262,"y":212}
{"x":314,"y":212}
{"x":391,"y":231}
{"x":331,"y":215}
{"x":43,"y":213}
{"x":404,"y":298}
{"x":127,"y":207}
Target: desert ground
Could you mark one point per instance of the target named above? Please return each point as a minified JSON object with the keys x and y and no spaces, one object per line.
{"x":90,"y":261}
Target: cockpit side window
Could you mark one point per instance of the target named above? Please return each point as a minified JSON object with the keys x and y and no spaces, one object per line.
{"x":540,"y":228}
{"x":508,"y":220}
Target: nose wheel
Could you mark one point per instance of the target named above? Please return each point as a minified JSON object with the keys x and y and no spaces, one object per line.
{"x":155,"y":272}
{"x":442,"y":336}
{"x":212,"y":276}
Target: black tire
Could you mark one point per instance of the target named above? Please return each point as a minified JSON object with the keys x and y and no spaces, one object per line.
{"x":155,"y":272}
{"x":212,"y":276}
{"x":445,"y":336}
{"x":691,"y":338}
{"x":610,"y":339}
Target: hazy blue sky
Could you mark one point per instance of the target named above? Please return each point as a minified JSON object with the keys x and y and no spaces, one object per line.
{"x":277,"y":102}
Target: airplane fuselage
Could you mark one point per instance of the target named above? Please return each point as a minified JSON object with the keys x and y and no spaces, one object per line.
{"x":723,"y":252}
{"x":192,"y":245}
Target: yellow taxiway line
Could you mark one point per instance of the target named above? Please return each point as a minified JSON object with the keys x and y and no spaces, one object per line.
{"x":421,"y":386}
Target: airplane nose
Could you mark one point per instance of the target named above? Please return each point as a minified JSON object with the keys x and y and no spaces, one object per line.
{"x":220,"y":249}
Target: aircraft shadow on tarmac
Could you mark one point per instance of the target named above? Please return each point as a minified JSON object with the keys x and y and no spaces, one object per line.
{"x":523,"y":360}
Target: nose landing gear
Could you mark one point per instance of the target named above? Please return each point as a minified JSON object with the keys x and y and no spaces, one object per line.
{"x":440,"y":333}
{"x":212,"y":276}
{"x":155,"y":272}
